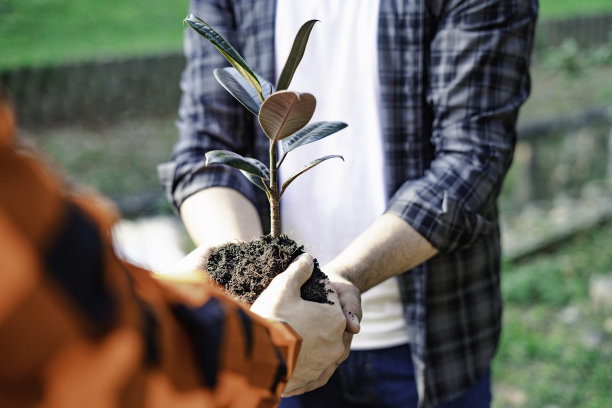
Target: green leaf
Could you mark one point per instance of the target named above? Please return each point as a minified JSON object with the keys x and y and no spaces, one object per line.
{"x":305,"y":169}
{"x":311,"y":133}
{"x":226,"y":49}
{"x":261,"y":182}
{"x":295,"y":56}
{"x":241,"y":89}
{"x":286,"y":112}
{"x":253,"y":169}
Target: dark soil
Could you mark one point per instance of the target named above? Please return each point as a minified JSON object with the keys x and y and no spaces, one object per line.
{"x":246,"y":269}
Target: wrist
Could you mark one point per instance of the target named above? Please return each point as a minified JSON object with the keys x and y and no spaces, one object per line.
{"x":339,"y":271}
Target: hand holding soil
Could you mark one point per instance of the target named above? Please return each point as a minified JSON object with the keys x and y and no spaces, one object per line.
{"x":321,"y":325}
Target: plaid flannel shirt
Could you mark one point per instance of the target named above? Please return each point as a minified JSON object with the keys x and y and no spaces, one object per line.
{"x":453,"y":75}
{"x":79,"y":327}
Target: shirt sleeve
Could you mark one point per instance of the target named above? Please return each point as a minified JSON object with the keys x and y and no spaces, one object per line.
{"x":78,"y":324}
{"x":209,"y":117}
{"x":243,"y":359}
{"x":478,"y":78}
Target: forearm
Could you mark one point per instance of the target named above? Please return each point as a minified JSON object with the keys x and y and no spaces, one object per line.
{"x":217,"y":215}
{"x":387,"y":248}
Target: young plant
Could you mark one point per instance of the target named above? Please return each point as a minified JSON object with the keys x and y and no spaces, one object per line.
{"x":283,"y":115}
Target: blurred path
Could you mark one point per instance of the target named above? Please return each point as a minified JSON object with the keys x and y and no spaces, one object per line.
{"x":156,"y":243}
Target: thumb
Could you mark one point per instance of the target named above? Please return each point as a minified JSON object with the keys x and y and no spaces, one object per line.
{"x":299,"y":271}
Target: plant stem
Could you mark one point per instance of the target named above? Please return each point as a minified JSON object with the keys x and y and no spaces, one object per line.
{"x":273,"y":196}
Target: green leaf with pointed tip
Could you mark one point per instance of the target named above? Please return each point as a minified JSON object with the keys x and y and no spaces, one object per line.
{"x":241,"y":89}
{"x":295,"y":55}
{"x":226,"y":49}
{"x":305,"y":169}
{"x":286,"y":112}
{"x":311,"y":133}
{"x":261,"y":182}
{"x":247,"y":164}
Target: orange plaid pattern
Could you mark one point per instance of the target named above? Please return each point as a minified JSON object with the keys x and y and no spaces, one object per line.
{"x":81,"y":328}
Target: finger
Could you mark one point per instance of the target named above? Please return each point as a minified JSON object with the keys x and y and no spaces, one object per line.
{"x":350,"y":301}
{"x":351,"y":307}
{"x":353,"y":325}
{"x":299,"y":271}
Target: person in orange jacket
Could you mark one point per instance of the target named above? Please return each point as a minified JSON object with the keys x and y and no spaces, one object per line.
{"x":80,"y":327}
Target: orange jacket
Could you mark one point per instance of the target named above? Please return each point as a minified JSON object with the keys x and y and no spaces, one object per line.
{"x":81,"y":328}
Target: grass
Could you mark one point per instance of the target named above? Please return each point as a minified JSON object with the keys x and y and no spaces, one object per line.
{"x":557,"y":9}
{"x":545,"y":359}
{"x":42,"y":32}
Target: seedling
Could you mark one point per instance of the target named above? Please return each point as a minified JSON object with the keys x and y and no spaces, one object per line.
{"x":283,"y":115}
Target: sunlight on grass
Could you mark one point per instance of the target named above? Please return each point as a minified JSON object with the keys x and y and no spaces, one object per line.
{"x":36,"y":32}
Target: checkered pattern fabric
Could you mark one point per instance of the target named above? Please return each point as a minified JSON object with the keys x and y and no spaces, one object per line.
{"x":79,"y":327}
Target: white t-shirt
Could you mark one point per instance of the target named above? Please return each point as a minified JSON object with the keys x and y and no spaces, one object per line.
{"x":327,"y":207}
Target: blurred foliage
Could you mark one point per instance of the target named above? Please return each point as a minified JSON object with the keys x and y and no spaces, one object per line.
{"x":571,"y":59}
{"x":556,"y":93}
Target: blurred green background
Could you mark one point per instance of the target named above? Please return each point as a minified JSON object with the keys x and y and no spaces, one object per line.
{"x":556,"y":347}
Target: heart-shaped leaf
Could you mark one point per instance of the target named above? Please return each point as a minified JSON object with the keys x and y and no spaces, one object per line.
{"x":305,"y":169}
{"x":311,"y":133}
{"x":295,"y":55}
{"x":286,"y":112}
{"x":226,"y":49}
{"x":241,"y":89}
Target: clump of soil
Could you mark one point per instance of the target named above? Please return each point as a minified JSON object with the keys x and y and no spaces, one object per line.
{"x":246,"y":269}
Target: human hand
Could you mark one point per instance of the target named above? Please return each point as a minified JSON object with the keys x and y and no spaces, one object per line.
{"x":192,"y":263}
{"x":350,"y":301}
{"x":320,"y":325}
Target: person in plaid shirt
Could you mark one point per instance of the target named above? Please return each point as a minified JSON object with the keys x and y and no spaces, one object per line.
{"x":432,"y":90}
{"x":81,"y":328}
